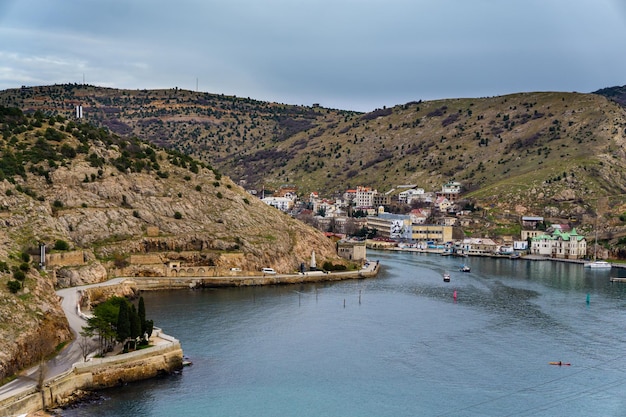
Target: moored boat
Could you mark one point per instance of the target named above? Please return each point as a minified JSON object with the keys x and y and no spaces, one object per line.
{"x":597,"y":264}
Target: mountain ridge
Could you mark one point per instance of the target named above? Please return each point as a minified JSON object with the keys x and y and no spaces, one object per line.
{"x":532,"y":145}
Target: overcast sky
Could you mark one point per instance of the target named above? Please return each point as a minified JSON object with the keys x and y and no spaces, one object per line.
{"x":345,"y":54}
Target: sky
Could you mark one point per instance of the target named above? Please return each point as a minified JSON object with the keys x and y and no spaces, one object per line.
{"x":343,"y":54}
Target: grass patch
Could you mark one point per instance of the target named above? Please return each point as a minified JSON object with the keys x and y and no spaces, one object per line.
{"x":60,"y":347}
{"x":8,"y":379}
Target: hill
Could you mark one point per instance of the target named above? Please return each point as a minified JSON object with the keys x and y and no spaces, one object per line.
{"x":546,"y":153}
{"x":97,"y":200}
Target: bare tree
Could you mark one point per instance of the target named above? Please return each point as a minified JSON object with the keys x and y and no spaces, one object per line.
{"x":350,"y":227}
{"x":86,"y":344}
{"x":40,"y":348}
{"x":41,"y":374}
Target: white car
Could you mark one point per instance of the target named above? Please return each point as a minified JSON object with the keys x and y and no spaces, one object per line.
{"x":269,"y":271}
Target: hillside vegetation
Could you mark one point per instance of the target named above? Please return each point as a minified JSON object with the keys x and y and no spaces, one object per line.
{"x":560,"y":155}
{"x":76,"y":187}
{"x":149,"y":172}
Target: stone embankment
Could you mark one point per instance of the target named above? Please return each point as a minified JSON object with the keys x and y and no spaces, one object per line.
{"x":167,"y":283}
{"x":163,"y":357}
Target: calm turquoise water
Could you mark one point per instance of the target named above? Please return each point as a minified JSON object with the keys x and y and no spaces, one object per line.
{"x":396,"y":345}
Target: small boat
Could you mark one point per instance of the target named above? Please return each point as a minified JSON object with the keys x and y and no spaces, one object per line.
{"x":446,"y":277}
{"x":597,"y":264}
{"x":559,"y":363}
{"x":465,"y":268}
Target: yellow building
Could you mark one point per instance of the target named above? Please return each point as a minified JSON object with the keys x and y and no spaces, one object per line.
{"x":431,"y":232}
{"x":400,"y":227}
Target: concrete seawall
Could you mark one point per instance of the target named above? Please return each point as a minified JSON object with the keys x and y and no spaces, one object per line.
{"x":167,"y":283}
{"x":165,"y":357}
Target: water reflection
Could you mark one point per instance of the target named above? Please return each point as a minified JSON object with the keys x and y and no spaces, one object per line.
{"x":398,"y":344}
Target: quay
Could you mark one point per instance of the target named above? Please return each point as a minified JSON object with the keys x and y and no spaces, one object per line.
{"x":617,"y":265}
{"x":369,"y":270}
{"x":165,"y":354}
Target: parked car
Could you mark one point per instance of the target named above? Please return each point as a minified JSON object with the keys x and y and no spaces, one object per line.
{"x":269,"y":271}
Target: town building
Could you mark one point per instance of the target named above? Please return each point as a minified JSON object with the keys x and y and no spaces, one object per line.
{"x":431,"y":233}
{"x":443,"y":204}
{"x":400,"y":227}
{"x":382,"y":199}
{"x":419,"y":216}
{"x":289,"y":191}
{"x":560,"y":245}
{"x":479,"y":246}
{"x":450,"y":190}
{"x":281,"y":203}
{"x":390,"y":226}
{"x":353,"y":250}
{"x":529,"y":234}
{"x":364,"y":197}
{"x":408,"y":196}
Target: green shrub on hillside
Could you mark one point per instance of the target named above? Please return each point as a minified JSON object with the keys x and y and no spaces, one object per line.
{"x":19,"y":275}
{"x":61,"y":245}
{"x":14,"y":286}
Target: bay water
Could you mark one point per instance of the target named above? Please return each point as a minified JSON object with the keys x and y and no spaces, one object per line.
{"x":399,"y":344}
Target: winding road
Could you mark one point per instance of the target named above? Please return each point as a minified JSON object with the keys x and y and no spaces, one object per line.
{"x":67,"y":357}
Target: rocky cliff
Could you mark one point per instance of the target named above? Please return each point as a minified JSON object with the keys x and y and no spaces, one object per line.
{"x":76,"y":188}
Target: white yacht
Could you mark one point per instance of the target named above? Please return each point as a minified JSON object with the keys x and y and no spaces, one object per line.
{"x":597,"y":264}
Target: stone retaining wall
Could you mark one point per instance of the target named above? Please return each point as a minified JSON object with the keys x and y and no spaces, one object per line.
{"x":60,"y":259}
{"x":169,"y":283}
{"x":98,"y":373}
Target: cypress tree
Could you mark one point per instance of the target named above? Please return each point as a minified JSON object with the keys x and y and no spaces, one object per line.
{"x":135,"y":324}
{"x":142,"y":316}
{"x":149,"y":327}
{"x":123,"y":323}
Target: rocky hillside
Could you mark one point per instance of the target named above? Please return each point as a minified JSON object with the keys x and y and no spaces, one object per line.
{"x":552,"y":154}
{"x":107,"y":198}
{"x":478,"y":141}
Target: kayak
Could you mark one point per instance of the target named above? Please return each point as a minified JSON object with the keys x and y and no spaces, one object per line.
{"x":560,"y":363}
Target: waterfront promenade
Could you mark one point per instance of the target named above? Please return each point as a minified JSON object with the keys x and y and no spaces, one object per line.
{"x":369,"y":270}
{"x":621,"y":265}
